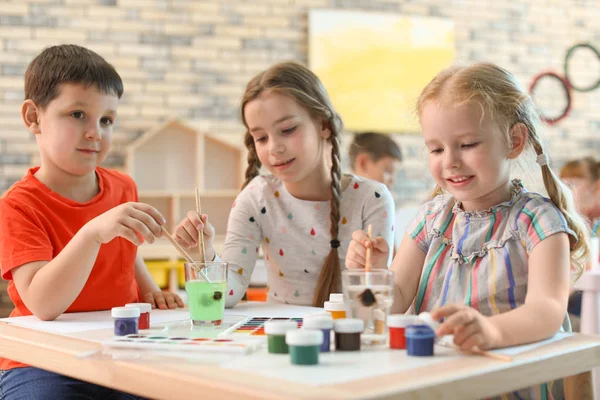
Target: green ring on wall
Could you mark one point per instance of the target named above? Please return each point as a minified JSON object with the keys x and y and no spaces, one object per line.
{"x":569,"y":55}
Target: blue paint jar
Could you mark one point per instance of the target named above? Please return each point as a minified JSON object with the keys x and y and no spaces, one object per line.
{"x":419,"y":340}
{"x":323,"y":324}
{"x":126,"y":320}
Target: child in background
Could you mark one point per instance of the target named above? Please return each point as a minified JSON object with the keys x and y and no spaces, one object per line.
{"x":485,"y":255}
{"x":375,"y":156}
{"x":582,"y":177}
{"x":69,"y":230}
{"x":304,"y":213}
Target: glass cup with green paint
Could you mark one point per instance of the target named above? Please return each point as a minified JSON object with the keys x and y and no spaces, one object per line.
{"x":206,"y":287}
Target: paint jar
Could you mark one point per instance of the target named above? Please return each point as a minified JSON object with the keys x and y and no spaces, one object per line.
{"x":324,"y":324}
{"x":419,"y":340}
{"x":126,"y":320}
{"x":397,"y":324}
{"x":276,"y":331}
{"x":145,"y":308}
{"x":336,"y":297}
{"x":426,"y":319}
{"x":304,"y":346}
{"x":347,"y":333}
{"x":337,"y":310}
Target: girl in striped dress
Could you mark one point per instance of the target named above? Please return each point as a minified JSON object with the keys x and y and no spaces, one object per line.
{"x":484,"y":255}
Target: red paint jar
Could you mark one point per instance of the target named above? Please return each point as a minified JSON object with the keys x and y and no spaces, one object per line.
{"x":145,"y":308}
{"x":397,"y":324}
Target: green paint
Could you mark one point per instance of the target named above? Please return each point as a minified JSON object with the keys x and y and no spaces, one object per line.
{"x":277,"y":345}
{"x":206,"y":300}
{"x":304,"y":355}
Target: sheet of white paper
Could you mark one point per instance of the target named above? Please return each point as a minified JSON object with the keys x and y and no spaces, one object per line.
{"x":513,"y":351}
{"x":339,"y":367}
{"x":88,"y":321}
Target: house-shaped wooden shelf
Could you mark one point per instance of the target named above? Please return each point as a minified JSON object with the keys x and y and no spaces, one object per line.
{"x":168,"y":162}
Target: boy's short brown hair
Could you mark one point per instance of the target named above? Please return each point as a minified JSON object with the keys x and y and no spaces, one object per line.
{"x":68,"y":63}
{"x":376,"y":145}
{"x":586,"y":168}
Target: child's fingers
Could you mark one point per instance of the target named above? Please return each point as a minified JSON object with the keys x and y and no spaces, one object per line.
{"x":381,"y":245}
{"x":360,"y":237}
{"x":151,"y":211}
{"x":458,"y":319}
{"x":194,"y":218}
{"x":445,"y":311}
{"x":354,"y":259}
{"x":188,"y":233}
{"x":170,"y":300}
{"x":148,"y":221}
{"x":128,"y":234}
{"x":475,"y":340}
{"x":208,"y":229}
{"x":160,"y":301}
{"x":462,"y":333}
{"x":149,"y":298}
{"x":142,"y":229}
{"x":178,"y":300}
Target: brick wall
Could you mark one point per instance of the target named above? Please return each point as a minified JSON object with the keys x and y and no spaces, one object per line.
{"x":191,"y":59}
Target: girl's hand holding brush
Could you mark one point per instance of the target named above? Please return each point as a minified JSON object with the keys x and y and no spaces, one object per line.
{"x":188,"y":232}
{"x":357,"y":251}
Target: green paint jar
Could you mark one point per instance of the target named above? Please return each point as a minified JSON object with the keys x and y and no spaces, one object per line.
{"x":304,"y":346}
{"x":275,"y":331}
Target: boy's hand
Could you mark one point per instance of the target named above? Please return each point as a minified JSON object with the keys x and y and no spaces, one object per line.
{"x":187,"y":233}
{"x":470,"y":328}
{"x":135,"y":222}
{"x":163,"y":300}
{"x":357,"y":251}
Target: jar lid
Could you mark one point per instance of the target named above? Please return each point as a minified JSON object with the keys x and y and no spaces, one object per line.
{"x":304,"y":337}
{"x":426,"y":319}
{"x":125,"y":312}
{"x":349,"y":325}
{"x":336,"y":297}
{"x":402,"y":320}
{"x":319,"y":314}
{"x":419,"y":332}
{"x":279,"y":327}
{"x":144,"y":307}
{"x":334,"y":306}
{"x":311,"y":322}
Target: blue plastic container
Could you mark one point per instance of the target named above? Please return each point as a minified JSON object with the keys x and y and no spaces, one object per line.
{"x":419,"y":340}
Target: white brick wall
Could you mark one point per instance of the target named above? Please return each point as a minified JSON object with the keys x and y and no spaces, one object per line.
{"x":192,"y":59}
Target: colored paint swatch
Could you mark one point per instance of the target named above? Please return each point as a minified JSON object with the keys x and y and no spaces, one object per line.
{"x":256,"y":325}
{"x":186,"y":344}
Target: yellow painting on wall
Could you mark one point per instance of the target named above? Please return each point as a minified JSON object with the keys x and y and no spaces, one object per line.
{"x":374,"y":65}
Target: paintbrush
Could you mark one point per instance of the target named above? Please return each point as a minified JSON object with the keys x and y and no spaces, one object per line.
{"x":201,"y":236}
{"x":183,"y":253}
{"x":367,"y":298}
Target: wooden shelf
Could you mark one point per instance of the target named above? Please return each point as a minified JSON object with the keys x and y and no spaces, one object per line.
{"x":162,"y":249}
{"x":171,"y":160}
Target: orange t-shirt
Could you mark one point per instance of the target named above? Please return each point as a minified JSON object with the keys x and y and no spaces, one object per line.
{"x":37,"y":223}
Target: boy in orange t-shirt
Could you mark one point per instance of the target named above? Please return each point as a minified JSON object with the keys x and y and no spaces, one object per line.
{"x":69,"y":230}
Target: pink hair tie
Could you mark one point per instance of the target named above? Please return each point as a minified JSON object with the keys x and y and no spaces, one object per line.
{"x":542,"y":159}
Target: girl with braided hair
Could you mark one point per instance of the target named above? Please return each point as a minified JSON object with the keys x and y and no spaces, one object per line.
{"x":304,"y":211}
{"x":484,"y":255}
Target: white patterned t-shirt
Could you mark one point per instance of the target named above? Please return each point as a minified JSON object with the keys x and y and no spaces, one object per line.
{"x":295,"y":234}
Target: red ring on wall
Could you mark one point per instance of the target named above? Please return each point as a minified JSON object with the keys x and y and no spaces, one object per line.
{"x":567,"y":89}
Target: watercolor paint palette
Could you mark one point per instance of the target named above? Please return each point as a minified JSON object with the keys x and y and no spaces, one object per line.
{"x":182,"y":343}
{"x":256,"y":325}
